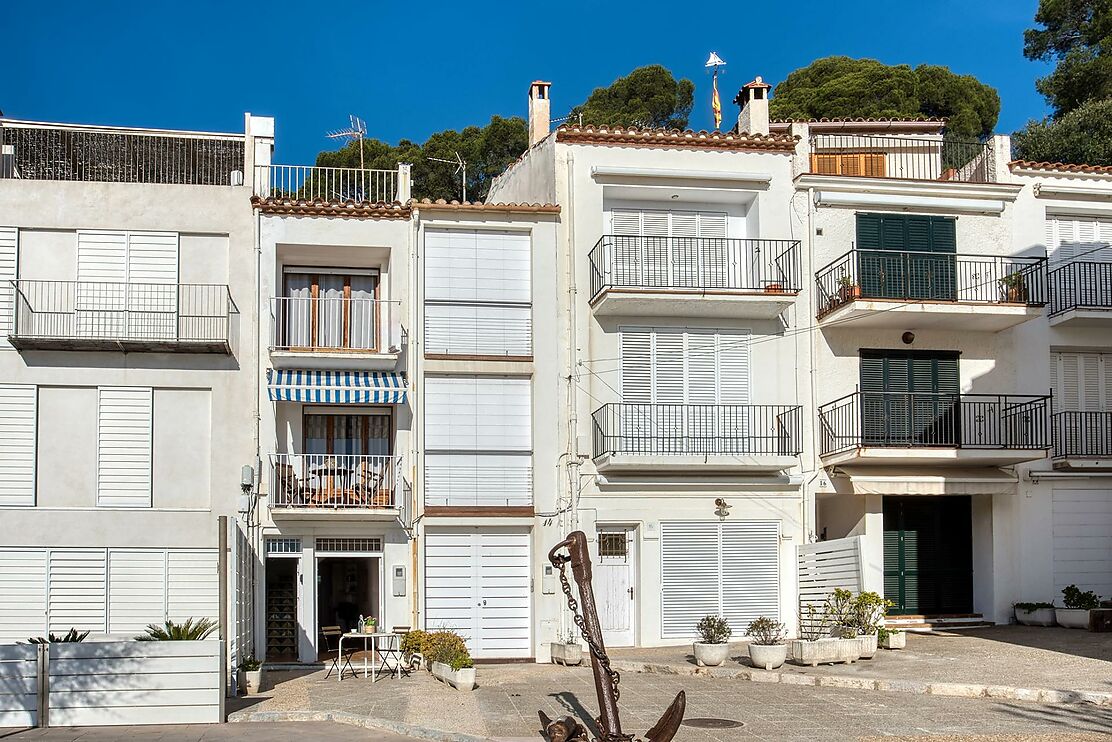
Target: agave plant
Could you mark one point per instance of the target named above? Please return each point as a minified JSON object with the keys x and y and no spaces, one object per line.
{"x":73,"y":635}
{"x":194,"y":629}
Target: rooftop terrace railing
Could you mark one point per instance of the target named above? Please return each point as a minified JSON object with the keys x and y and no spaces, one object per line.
{"x":310,"y":183}
{"x":929,"y":157}
{"x":45,"y":151}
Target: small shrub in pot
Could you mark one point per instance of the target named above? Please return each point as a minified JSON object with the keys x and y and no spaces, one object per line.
{"x":712,"y":649}
{"x":891,"y":638}
{"x":250,"y":675}
{"x":767,"y":648}
{"x":1078,"y":604}
{"x":1035,"y":614}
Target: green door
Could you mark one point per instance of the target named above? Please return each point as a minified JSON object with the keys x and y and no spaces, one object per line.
{"x":928,"y":554}
{"x":907,"y":256}
{"x":909,"y":398}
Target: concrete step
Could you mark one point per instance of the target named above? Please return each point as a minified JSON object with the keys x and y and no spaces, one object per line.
{"x":950,"y":622}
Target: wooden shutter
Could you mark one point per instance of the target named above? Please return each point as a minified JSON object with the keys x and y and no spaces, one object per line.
{"x":136,"y":589}
{"x":76,"y":590}
{"x":702,"y":367}
{"x":1087,"y":239}
{"x":124,"y":446}
{"x":152,"y":277}
{"x":626,"y":258}
{"x":23,"y":585}
{"x":18,"y":423}
{"x":9,"y":272}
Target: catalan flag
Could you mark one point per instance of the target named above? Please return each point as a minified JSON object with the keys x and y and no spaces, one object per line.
{"x":716,"y":103}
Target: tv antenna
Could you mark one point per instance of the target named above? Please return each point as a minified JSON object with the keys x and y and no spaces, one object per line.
{"x":461,"y":167}
{"x":353,"y":133}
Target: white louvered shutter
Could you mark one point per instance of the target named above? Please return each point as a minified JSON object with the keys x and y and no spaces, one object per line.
{"x":655,"y":250}
{"x":684,"y":230}
{"x":193,"y":584}
{"x":750,"y":571}
{"x":9,"y":272}
{"x":136,"y":589}
{"x":124,"y":446}
{"x":703,"y":425}
{"x":18,"y":416}
{"x":625,"y":258}
{"x":76,"y":590}
{"x":152,"y":276}
{"x":714,"y":252}
{"x":636,"y":348}
{"x":23,"y":585}
{"x":101,"y":300}
{"x":690,"y":575}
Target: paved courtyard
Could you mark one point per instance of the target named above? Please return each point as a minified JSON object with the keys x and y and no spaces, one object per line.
{"x":506,"y":704}
{"x":288,"y":732}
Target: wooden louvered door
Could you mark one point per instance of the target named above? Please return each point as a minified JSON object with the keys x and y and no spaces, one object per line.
{"x":907,"y":256}
{"x":910,"y":398}
{"x":928,"y":554}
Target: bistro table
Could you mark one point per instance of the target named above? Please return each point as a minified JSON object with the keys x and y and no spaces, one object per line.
{"x":328,"y":474}
{"x":373,"y":637}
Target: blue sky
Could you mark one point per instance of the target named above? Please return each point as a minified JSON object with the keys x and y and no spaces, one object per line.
{"x":410,"y":69}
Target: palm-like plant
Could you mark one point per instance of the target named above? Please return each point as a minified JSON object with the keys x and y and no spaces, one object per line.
{"x":194,"y":629}
{"x":73,"y":635}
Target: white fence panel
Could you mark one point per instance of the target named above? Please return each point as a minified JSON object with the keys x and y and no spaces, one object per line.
{"x":827,"y":565}
{"x":109,"y":683}
{"x":18,"y":685}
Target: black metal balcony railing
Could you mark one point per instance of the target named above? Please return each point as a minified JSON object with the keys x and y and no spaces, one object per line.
{"x":677,"y":429}
{"x":770,"y":266}
{"x":1082,"y":434}
{"x":85,"y":313}
{"x":927,"y":276}
{"x":1080,"y":285}
{"x":930,"y":157}
{"x":925,"y":420}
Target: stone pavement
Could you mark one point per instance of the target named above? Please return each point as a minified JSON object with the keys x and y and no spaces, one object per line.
{"x":506,"y":703}
{"x":1025,"y":657}
{"x":288,"y":732}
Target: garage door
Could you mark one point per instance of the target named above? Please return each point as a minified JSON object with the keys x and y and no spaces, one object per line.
{"x":477,"y":583}
{"x":1083,"y":540}
{"x":731,"y":569}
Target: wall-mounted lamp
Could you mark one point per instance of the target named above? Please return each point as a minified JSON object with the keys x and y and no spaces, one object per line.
{"x":721,"y":508}
{"x":908,"y":338}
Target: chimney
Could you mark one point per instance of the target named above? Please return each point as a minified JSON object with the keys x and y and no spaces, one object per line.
{"x":540,"y":112}
{"x":753,"y":99}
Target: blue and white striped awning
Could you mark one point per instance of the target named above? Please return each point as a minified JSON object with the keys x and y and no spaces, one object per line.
{"x":336,"y":387}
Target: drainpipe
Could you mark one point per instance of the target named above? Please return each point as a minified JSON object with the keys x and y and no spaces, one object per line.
{"x":812,"y":335}
{"x":414,"y":347}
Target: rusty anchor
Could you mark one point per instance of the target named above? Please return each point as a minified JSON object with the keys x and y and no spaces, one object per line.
{"x":567,"y":729}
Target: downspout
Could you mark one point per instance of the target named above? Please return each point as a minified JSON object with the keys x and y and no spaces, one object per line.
{"x":813,"y":335}
{"x":416,"y":310}
{"x":573,"y":357}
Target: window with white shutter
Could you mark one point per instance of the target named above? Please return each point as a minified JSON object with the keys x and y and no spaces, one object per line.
{"x":1082,"y":381}
{"x":76,"y":590}
{"x":478,"y":293}
{"x":23,"y":585}
{"x":124,"y":422}
{"x":671,"y":365}
{"x":18,"y":432}
{"x":478,"y":440}
{"x":127,"y":284}
{"x":731,"y":569}
{"x":136,"y":589}
{"x":194,"y":584}
{"x":9,"y":272}
{"x":1078,"y":238}
{"x":670,"y":248}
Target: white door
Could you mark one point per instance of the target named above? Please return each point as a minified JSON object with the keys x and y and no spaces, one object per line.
{"x":477,"y":582}
{"x":615,"y":576}
{"x":1082,"y":539}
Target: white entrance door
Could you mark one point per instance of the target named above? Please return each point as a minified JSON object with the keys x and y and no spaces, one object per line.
{"x":477,"y":583}
{"x":615,"y":575}
{"x":1082,"y":522}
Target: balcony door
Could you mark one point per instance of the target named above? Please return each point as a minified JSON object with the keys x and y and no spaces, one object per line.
{"x":907,"y":256}
{"x":346,"y":434}
{"x":910,"y":398}
{"x":347,"y":455}
{"x":671,"y":249}
{"x":127,"y":285}
{"x":328,"y":311}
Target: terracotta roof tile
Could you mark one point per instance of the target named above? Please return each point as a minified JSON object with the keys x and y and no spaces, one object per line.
{"x":862,"y":119}
{"x":1062,"y":167}
{"x":632,"y":136}
{"x":322,"y":207}
{"x":504,"y":208}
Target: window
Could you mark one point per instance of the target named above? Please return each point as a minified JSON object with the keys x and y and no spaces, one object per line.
{"x":893,"y":259}
{"x":671,"y":365}
{"x":124,"y":416}
{"x":18,"y":421}
{"x":680,"y":249}
{"x":127,"y":284}
{"x":366,"y":434}
{"x":478,"y":293}
{"x":328,"y":310}
{"x":613,"y":545}
{"x":910,"y":398}
{"x":871,"y":165}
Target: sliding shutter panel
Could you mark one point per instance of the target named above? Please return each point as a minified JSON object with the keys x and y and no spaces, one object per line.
{"x":124,"y":446}
{"x":23,"y":585}
{"x":136,"y":590}
{"x":750,"y":571}
{"x":690,"y":575}
{"x":18,"y":417}
{"x":193,"y":584}
{"x":637,"y":365}
{"x":670,"y":382}
{"x":152,"y":292}
{"x":102,"y":256}
{"x":9,"y":272}
{"x":656,"y":249}
{"x":733,"y":367}
{"x":76,"y":590}
{"x":626,"y":250}
{"x":101,"y":300}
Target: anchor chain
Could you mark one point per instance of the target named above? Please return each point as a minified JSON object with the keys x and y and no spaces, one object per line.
{"x":596,"y":651}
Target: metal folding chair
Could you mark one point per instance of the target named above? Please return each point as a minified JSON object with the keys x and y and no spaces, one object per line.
{"x":391,"y":654}
{"x":331,"y":635}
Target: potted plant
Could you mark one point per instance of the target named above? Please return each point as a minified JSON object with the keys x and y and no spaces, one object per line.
{"x":848,"y":288}
{"x":1035,"y":614}
{"x":1014,"y":288}
{"x":891,"y":638}
{"x":250,"y":675}
{"x":867,"y":615}
{"x":824,"y":636}
{"x":568,"y":651}
{"x":412,"y":648}
{"x":1078,"y":604}
{"x":449,"y":660}
{"x":767,"y":649}
{"x":774,"y":288}
{"x":712,"y":649}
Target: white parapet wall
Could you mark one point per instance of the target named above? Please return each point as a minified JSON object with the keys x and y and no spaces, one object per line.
{"x":112,"y":683}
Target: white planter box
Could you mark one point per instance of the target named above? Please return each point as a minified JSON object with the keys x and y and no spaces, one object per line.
{"x":250,"y":681}
{"x":896,"y":640}
{"x":825,"y":651}
{"x":768,"y":656}
{"x":1037,"y":617}
{"x":710,"y":655}
{"x":462,"y":679}
{"x":868,"y":646}
{"x":566,"y":654}
{"x":1072,"y":618}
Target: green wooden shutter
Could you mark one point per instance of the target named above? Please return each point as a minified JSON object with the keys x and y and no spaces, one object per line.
{"x":868,"y":231}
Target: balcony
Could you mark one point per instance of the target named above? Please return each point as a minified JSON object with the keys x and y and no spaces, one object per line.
{"x":897,"y":428}
{"x":32,"y":150}
{"x":329,"y":184}
{"x":333,"y":332}
{"x":322,"y":486}
{"x":930,"y":157}
{"x":693,"y":277}
{"x":1081,"y":294}
{"x":1082,"y":440}
{"x":677,"y":437}
{"x":128,"y":317}
{"x":896,"y":289}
